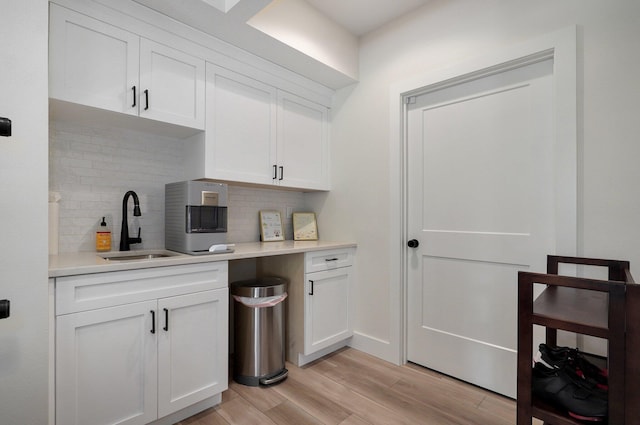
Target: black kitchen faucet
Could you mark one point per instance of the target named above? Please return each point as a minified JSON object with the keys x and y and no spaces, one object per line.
{"x":125,"y":240}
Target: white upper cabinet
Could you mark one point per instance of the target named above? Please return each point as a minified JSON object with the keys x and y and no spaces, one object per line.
{"x":258,"y":134}
{"x":303,"y":148}
{"x":171,"y":85}
{"x":92,"y":63}
{"x":240,"y":129}
{"x":96,"y":64}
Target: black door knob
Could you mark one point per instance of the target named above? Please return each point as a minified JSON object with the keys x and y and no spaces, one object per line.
{"x":413,"y":243}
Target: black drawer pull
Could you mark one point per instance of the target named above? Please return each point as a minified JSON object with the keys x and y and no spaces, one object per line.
{"x":134,"y":96}
{"x":166,"y":320}
{"x":331,"y":259}
{"x":311,"y":289}
{"x":153,"y":321}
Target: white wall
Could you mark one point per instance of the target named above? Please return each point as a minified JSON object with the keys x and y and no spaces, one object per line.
{"x":299,"y":25}
{"x":444,"y":33}
{"x":23,"y":213}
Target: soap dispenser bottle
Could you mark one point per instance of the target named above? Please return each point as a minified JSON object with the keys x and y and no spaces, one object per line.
{"x":103,"y":237}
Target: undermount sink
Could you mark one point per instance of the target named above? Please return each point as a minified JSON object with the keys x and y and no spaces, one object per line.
{"x":137,"y":255}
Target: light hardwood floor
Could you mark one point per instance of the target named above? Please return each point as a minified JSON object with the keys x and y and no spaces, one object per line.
{"x":352,"y":388}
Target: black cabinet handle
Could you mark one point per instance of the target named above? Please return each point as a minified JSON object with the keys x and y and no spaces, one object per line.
{"x":134,"y":96}
{"x":311,"y":291}
{"x":413,"y":243}
{"x":5,"y":309}
{"x":281,"y":172}
{"x":146,"y":97}
{"x":153,"y":321}
{"x":331,"y":259}
{"x":166,"y":320}
{"x":275,"y":171}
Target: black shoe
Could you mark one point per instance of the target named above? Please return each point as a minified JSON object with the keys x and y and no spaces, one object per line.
{"x":561,"y":389}
{"x":561,"y":357}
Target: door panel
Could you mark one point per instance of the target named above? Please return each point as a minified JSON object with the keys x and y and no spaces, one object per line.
{"x":481,"y":202}
{"x":241,"y":127}
{"x":302,"y":142}
{"x":326,"y":315}
{"x":106,"y":366}
{"x":192,"y":349}
{"x":175,"y":83}
{"x":92,"y":63}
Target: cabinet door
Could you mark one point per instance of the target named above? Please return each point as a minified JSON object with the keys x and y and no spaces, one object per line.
{"x":92,"y":63}
{"x":192,"y":348}
{"x":303,"y":143}
{"x":106,"y":362}
{"x":326,"y":309}
{"x":171,"y":85}
{"x":241,"y":128}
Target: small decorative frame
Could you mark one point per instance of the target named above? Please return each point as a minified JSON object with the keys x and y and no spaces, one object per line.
{"x":271,"y":226}
{"x":305,"y":227}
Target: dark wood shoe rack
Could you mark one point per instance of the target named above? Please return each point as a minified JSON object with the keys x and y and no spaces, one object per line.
{"x":608,"y":309}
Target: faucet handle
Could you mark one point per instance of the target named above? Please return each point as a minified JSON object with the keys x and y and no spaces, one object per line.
{"x":138,"y":239}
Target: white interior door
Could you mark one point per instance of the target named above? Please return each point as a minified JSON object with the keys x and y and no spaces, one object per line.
{"x":481,"y":205}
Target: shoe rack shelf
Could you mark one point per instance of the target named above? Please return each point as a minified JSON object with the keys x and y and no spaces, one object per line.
{"x":607,"y":309}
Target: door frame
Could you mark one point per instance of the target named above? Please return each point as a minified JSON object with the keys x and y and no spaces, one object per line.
{"x":562,"y":47}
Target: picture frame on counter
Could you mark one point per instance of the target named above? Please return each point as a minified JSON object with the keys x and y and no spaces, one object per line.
{"x":271,"y":229}
{"x":305,"y":226}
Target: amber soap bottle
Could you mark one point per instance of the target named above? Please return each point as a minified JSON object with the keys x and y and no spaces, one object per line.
{"x":103,"y":237}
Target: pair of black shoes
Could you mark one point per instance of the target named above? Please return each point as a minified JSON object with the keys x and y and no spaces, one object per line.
{"x":565,"y":378}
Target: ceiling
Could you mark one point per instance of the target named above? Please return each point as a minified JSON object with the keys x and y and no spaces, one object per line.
{"x":362,"y":16}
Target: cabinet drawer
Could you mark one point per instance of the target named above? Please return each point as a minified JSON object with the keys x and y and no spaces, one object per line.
{"x":87,"y":292}
{"x":328,"y":260}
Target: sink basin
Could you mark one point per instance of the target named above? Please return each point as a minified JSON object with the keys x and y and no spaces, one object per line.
{"x":137,"y":255}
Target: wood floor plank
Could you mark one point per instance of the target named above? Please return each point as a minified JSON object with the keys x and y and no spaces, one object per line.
{"x":373,"y":413}
{"x":370,"y":386}
{"x":304,"y":394}
{"x":240,"y":412}
{"x":350,"y":387}
{"x":260,"y":397}
{"x":288,"y":413}
{"x":354,"y":420}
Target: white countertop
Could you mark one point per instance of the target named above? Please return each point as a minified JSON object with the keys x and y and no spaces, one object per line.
{"x":91,"y":262}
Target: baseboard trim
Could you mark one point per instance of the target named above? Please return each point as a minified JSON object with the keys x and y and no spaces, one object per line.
{"x":375,"y":347}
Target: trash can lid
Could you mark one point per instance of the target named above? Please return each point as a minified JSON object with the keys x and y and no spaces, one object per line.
{"x":258,"y":288}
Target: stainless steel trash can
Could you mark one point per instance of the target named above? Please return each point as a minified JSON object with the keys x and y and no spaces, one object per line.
{"x":259,"y":334}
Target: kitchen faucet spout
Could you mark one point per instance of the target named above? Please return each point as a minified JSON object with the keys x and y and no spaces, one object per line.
{"x":125,"y":240}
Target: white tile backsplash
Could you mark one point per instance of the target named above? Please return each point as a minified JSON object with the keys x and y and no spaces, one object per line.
{"x":93,"y":168}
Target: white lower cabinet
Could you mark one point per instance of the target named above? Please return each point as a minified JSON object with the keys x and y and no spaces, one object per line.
{"x":320,"y":307}
{"x":326,"y":309}
{"x":137,"y":362}
{"x":106,"y":366}
{"x":192,"y":358}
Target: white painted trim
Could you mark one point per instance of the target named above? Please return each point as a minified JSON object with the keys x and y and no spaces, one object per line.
{"x":306,"y":359}
{"x":374,"y":346}
{"x":562,"y":44}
